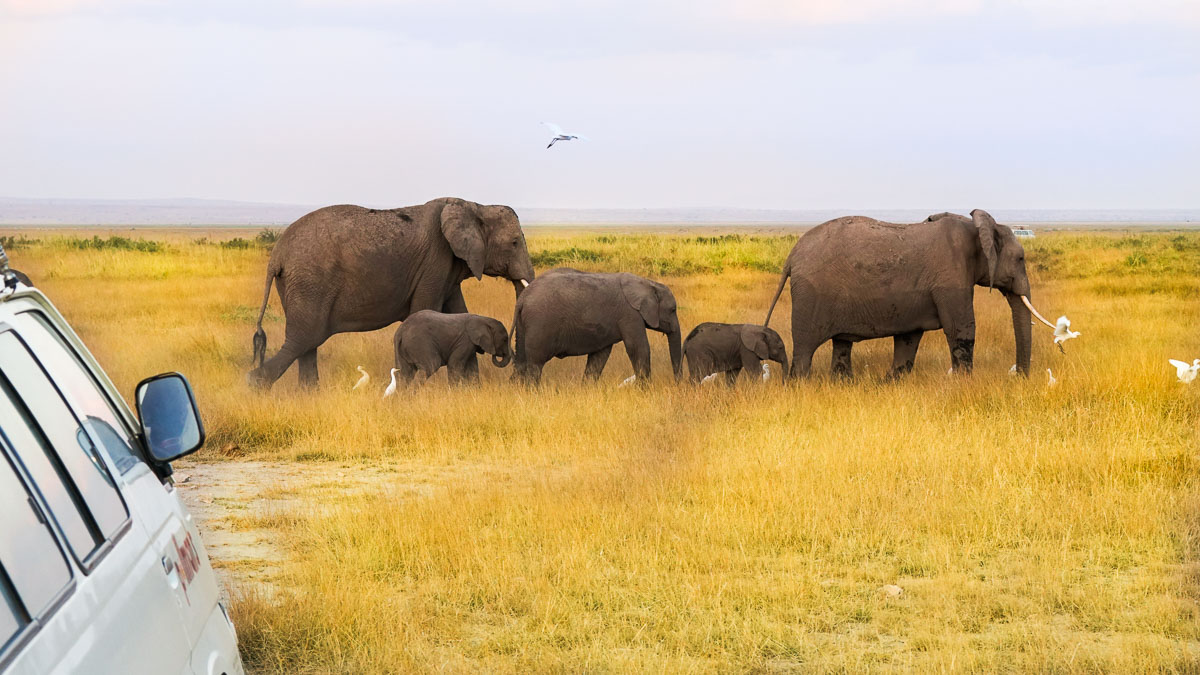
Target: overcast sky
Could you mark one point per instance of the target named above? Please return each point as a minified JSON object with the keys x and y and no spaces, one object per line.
{"x":751,"y":103}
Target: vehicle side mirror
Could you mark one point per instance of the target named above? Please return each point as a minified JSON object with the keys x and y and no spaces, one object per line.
{"x":170,"y":420}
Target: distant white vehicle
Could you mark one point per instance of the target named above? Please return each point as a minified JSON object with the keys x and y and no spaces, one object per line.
{"x":1022,"y":233}
{"x":560,"y":135}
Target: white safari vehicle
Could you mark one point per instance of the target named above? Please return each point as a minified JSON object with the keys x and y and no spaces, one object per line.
{"x":101,"y":566}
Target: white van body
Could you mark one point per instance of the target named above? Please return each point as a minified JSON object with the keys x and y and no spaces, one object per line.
{"x":115,"y":579}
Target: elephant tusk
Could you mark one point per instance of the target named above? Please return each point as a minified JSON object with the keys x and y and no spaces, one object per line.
{"x":1035,"y":312}
{"x":524,"y":283}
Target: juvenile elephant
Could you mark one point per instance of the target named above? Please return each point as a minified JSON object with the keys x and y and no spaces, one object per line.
{"x":571,"y":313}
{"x":731,"y":349}
{"x":428,"y":340}
{"x":347,"y":268}
{"x":857,"y":278}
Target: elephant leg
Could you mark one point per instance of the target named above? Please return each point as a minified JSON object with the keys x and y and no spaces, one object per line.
{"x":456,"y":304}
{"x":751,"y":365}
{"x":841,"y":366}
{"x":458,"y":366}
{"x":273,"y":368}
{"x":957,"y":316}
{"x":307,"y":367}
{"x":595,"y":363}
{"x":904,"y":352}
{"x":731,"y":376}
{"x":405,"y":371}
{"x":637,"y":346}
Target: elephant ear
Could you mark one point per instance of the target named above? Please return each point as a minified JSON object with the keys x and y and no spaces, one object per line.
{"x":481,"y":336}
{"x":756,"y":341}
{"x":464,"y":233}
{"x":643,"y":297}
{"x":985,"y":227}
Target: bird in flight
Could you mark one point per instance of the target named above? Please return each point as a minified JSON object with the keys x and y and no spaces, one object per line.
{"x":1184,"y":372}
{"x":362,"y":380}
{"x":1063,"y":332}
{"x":560,"y":135}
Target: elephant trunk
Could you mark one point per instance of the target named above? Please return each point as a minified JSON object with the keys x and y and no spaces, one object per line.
{"x":1022,"y":331}
{"x":503,"y":355}
{"x":673,"y":344}
{"x":519,"y":286}
{"x":782,"y":360}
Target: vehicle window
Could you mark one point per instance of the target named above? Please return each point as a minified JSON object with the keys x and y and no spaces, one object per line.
{"x":70,"y":452}
{"x":32,"y":568}
{"x":39,"y":459}
{"x":79,"y":388}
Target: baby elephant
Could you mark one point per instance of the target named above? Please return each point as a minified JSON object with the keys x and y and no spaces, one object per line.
{"x":428,"y":340}
{"x":731,"y":348}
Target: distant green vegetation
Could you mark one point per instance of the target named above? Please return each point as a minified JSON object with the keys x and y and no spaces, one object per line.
{"x":662,"y":255}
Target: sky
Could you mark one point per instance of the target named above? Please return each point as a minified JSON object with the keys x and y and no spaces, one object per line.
{"x":809,"y":104}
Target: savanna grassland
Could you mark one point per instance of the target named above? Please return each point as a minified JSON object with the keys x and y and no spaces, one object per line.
{"x":679,"y":528}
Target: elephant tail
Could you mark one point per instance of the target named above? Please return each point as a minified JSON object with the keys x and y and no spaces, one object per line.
{"x":260,"y":336}
{"x":787,"y":271}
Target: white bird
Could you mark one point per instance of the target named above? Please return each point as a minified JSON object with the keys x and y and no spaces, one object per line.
{"x":1184,"y":372}
{"x":391,"y":388}
{"x":560,"y":135}
{"x":362,"y":380}
{"x":766,"y":371}
{"x":627,"y":381}
{"x":709,"y":378}
{"x":1050,"y":382}
{"x":1013,"y":370}
{"x":1063,"y":332}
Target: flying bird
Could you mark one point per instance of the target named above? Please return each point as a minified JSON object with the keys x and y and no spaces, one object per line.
{"x":627,"y":381}
{"x":766,"y":371}
{"x":1184,"y":372}
{"x":560,"y":135}
{"x":362,"y":380}
{"x":1050,"y":381}
{"x":1063,"y":332}
{"x":391,"y":388}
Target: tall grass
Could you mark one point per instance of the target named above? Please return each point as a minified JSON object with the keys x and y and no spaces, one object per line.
{"x":680,"y":528}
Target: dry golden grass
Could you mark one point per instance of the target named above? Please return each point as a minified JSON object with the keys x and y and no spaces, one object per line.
{"x":680,"y":528}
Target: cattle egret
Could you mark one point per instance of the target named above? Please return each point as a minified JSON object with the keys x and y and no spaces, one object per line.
{"x":1013,"y":370}
{"x":1063,"y":332}
{"x":766,"y":371}
{"x":627,"y":381}
{"x":362,"y":380}
{"x":560,"y":135}
{"x":391,"y":388}
{"x":1184,"y":372}
{"x":709,"y":378}
{"x":1050,"y":380}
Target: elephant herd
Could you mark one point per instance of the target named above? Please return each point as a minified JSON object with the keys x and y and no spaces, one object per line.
{"x":347,"y":268}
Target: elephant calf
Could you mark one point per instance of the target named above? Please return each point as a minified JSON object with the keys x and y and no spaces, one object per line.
{"x":731,"y":348}
{"x":566,"y":312}
{"x":428,"y":340}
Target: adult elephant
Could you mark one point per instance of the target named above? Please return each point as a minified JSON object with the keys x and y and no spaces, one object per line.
{"x":571,"y":313}
{"x":347,"y":268}
{"x":857,"y":278}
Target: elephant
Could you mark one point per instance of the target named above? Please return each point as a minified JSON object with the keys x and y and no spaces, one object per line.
{"x":566,"y":312}
{"x":348,"y":268}
{"x":856,"y":278}
{"x":428,"y":340}
{"x":731,"y":349}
